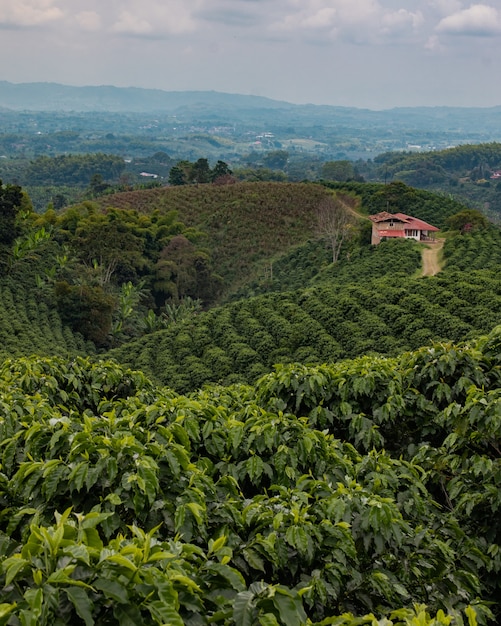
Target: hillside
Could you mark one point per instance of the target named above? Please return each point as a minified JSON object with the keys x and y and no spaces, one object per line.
{"x":241,"y":341}
{"x":334,"y":457}
{"x":244,"y":223}
{"x":464,"y":172}
{"x":119,"y":269}
{"x":249,"y":225}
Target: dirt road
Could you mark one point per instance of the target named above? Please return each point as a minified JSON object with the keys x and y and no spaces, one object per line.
{"x":431,"y":255}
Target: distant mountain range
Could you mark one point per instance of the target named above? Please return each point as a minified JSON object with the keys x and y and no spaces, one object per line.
{"x":436,"y":126}
{"x":53,"y":96}
{"x":57,"y":97}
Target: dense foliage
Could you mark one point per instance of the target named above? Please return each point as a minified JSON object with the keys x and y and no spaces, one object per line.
{"x":476,"y":161}
{"x":397,"y":197}
{"x":28,"y":325}
{"x":464,"y":171}
{"x":312,"y":263}
{"x":475,"y":250}
{"x":315,"y":497}
{"x":73,"y":169}
{"x":335,"y":320}
{"x":362,"y":491}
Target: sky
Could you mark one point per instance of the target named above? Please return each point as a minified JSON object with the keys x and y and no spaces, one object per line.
{"x":374,"y":54}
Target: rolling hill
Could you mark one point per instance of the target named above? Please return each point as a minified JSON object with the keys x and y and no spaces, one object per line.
{"x":335,"y":456}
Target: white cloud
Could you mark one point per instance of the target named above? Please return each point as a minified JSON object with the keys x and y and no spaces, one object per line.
{"x":401,"y":20}
{"x":89,"y":20}
{"x":131,"y":24}
{"x":22,"y":13}
{"x":364,"y":21}
{"x":477,"y":20}
{"x":155,"y":18}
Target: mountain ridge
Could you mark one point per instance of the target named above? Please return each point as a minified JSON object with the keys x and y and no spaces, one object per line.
{"x":16,"y":96}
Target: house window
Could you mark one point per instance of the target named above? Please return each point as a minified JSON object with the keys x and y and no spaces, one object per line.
{"x":411,"y":233}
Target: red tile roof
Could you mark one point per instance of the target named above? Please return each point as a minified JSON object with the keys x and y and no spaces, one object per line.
{"x":411,"y":223}
{"x":415,"y":223}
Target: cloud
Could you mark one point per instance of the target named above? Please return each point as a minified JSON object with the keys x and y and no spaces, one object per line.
{"x":131,"y":24}
{"x":479,"y":20}
{"x":243,"y":13}
{"x":153,"y":18}
{"x":362,"y":21}
{"x":401,"y":20}
{"x":25,"y":13}
{"x":446,"y":7}
{"x":89,"y":20}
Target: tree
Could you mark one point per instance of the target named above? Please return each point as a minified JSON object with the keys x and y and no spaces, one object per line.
{"x":87,"y":309}
{"x":276,"y":160}
{"x":467,"y":220}
{"x":97,"y":185}
{"x":200,"y":171}
{"x":11,"y":200}
{"x":177,"y":176}
{"x":334,"y":223}
{"x":108,"y":245}
{"x":338,"y":170}
{"x":220,"y":171}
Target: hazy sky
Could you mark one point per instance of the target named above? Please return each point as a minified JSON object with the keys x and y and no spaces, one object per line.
{"x":365,"y":53}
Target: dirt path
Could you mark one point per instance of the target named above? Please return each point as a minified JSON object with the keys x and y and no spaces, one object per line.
{"x":431,"y":262}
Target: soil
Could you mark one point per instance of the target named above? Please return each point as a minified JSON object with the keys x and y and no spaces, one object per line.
{"x":431,"y":255}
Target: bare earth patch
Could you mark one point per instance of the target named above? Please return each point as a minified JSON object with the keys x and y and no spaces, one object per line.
{"x":431,"y":255}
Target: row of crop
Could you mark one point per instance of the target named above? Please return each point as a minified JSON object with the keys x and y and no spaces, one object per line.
{"x":28,"y":325}
{"x":312,"y":263}
{"x":242,"y":340}
{"x":477,"y":250}
{"x":123,"y":502}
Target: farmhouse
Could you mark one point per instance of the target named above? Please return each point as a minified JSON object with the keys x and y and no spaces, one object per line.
{"x":386,"y":225}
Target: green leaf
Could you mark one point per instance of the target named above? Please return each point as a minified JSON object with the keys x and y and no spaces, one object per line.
{"x":268,"y":620}
{"x":164,"y":613}
{"x":78,"y":475}
{"x":290,"y":607}
{"x":82,"y":604}
{"x":196,"y":510}
{"x":233,"y":576}
{"x":185,"y":581}
{"x":121,"y":560}
{"x":79,"y":552}
{"x":12,"y":566}
{"x":112,"y":589}
{"x":244,"y":609}
{"x":216,"y":545}
{"x":297,"y":538}
{"x":471,"y":614}
{"x":128,"y":615}
{"x":5,"y":611}
{"x":253,"y":559}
